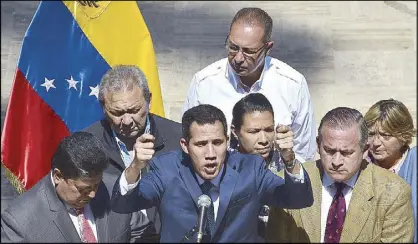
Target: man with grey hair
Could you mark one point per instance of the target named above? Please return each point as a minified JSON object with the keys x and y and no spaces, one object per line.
{"x":248,"y":68}
{"x":354,"y":201}
{"x":129,"y":130}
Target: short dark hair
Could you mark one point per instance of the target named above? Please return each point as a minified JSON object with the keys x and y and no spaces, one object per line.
{"x":251,"y":103}
{"x":80,"y":155}
{"x":343,"y":118}
{"x":202,"y":114}
{"x":252,"y":17}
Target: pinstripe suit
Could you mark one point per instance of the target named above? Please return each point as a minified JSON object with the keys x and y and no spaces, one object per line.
{"x":380,"y":210}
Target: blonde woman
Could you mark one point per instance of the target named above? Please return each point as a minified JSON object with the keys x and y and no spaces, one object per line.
{"x":391,"y":130}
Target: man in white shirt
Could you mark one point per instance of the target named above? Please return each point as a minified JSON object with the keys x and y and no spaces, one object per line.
{"x":249,"y":69}
{"x":238,"y":184}
{"x":72,"y":202}
{"x":354,"y":201}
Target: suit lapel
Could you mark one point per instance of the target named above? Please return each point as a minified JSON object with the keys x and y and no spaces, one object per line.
{"x":59,"y":213}
{"x":99,"y":206}
{"x":187,"y":174}
{"x":226,"y":189}
{"x":311,"y":217}
{"x":110,"y":145}
{"x":360,"y":205}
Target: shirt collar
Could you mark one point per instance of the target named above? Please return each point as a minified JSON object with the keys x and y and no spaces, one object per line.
{"x":328,"y":181}
{"x":215,"y":181}
{"x":236,"y":81}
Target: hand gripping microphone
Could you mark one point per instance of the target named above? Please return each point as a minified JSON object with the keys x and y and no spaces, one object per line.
{"x":204,"y":203}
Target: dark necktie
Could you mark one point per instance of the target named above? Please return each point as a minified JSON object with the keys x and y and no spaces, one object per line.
{"x":87,"y":234}
{"x":210,"y":216}
{"x":336,"y":216}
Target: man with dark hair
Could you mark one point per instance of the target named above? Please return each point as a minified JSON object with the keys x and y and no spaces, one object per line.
{"x":126,"y":100}
{"x":238,"y":184}
{"x":248,"y":68}
{"x":72,"y":203}
{"x":354,"y":201}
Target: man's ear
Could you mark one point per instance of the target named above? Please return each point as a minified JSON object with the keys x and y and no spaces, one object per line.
{"x":57,"y":176}
{"x":183,"y":144}
{"x":366,"y":151}
{"x":269,"y":47}
{"x":317,"y":144}
{"x":150,"y":101}
{"x":234,"y":132}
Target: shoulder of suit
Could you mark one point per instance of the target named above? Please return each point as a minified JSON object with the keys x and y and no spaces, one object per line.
{"x":24,"y":204}
{"x":311,"y":167}
{"x":96,"y":128}
{"x":213,"y":69}
{"x":285,"y":70}
{"x":161,"y":120}
{"x":387,"y":179}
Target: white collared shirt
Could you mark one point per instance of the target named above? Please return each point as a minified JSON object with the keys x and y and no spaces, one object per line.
{"x":214,"y":192}
{"x":328,"y":191}
{"x":284,"y":87}
{"x":88,"y":214}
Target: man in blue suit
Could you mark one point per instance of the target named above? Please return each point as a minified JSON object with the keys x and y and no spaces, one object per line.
{"x":238,"y":184}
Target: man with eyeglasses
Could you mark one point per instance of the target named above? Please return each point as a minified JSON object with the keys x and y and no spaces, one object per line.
{"x":249,"y":69}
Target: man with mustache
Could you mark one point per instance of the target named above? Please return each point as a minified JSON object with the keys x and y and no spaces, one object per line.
{"x":248,"y":68}
{"x":238,"y":184}
{"x":126,"y":100}
{"x":355,"y":201}
{"x":72,"y":202}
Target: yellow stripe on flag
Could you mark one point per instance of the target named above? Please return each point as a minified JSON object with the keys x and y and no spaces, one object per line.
{"x":118,"y":32}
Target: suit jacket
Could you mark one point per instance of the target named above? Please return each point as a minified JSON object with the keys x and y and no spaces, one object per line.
{"x":245,"y":186}
{"x":167,"y":135}
{"x":38,"y":215}
{"x":380,"y":210}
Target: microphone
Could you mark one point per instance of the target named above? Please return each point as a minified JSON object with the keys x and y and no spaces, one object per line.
{"x":204,"y":203}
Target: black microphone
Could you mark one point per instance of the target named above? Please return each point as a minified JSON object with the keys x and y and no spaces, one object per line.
{"x":204,"y":203}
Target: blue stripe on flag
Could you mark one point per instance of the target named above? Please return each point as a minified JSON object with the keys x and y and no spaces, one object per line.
{"x":56,"y":48}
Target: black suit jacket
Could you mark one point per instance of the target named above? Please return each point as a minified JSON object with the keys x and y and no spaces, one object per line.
{"x":38,"y":215}
{"x":167,"y":135}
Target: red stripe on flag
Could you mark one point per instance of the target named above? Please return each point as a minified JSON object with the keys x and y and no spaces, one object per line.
{"x":31,"y":133}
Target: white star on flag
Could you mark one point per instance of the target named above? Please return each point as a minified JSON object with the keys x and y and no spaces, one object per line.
{"x":72,"y":83}
{"x":48,"y":84}
{"x":94,"y":91}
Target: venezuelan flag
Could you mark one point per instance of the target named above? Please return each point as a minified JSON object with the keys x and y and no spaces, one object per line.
{"x":66,"y":50}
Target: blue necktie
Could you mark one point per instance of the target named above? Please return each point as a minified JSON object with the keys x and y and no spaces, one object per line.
{"x":210,"y":216}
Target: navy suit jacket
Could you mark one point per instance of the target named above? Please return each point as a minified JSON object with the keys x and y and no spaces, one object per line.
{"x":246,"y":185}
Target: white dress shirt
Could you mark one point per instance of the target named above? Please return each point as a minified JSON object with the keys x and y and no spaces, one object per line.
{"x":88,"y":214}
{"x":328,"y":191}
{"x":284,"y":87}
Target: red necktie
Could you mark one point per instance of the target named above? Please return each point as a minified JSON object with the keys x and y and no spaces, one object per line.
{"x":87,"y":234}
{"x":336,"y":216}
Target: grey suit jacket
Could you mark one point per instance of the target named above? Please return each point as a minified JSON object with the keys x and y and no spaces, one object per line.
{"x":38,"y":215}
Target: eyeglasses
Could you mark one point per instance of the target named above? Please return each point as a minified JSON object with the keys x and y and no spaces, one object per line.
{"x":234,"y":49}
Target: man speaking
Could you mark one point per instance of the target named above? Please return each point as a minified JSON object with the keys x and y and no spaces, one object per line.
{"x":238,"y":184}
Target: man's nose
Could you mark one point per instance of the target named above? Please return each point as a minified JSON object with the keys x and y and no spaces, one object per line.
{"x":210,"y":153}
{"x":337,"y":160}
{"x":127,"y":119}
{"x":239,"y":57}
{"x":262,"y":139}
